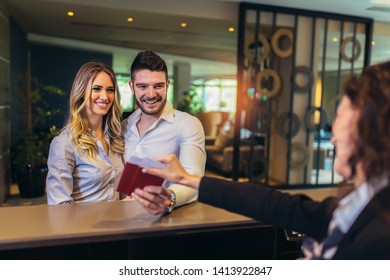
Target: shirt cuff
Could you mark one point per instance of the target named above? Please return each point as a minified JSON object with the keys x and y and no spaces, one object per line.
{"x":184,"y":194}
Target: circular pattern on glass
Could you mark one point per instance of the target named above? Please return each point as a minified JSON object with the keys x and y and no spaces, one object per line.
{"x":282,"y":32}
{"x":299,"y":155}
{"x":276,"y":82}
{"x":309,"y":117}
{"x":281,"y":125}
{"x":308,"y":76}
{"x":250,"y":50}
{"x":357,"y":49}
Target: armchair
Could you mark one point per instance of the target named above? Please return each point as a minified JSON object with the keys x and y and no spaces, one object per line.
{"x":220,"y":154}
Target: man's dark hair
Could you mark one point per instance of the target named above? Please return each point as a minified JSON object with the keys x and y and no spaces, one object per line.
{"x":150,"y":61}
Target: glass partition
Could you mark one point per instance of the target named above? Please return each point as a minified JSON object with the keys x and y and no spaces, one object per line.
{"x":291,"y":68}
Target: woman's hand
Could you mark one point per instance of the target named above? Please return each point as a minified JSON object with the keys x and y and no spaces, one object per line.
{"x":174,"y":172}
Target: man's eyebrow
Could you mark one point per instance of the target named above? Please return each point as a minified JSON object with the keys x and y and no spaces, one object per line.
{"x":146,"y":84}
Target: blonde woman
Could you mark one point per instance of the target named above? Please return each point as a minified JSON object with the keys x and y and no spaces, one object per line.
{"x":86,"y":158}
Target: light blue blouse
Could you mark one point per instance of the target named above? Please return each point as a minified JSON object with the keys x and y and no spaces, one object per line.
{"x":75,"y":178}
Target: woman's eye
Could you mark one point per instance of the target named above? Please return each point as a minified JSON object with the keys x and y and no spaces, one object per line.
{"x":96,"y":88}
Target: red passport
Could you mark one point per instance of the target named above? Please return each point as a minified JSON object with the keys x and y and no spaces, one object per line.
{"x":132,"y":177}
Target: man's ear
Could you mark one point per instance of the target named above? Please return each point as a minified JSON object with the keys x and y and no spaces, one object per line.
{"x":131,"y":84}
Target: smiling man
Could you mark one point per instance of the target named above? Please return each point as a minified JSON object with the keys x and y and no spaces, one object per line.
{"x":156,"y":129}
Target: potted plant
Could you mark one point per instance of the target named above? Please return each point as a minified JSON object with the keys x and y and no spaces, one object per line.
{"x":191,"y":102}
{"x":29,"y":154}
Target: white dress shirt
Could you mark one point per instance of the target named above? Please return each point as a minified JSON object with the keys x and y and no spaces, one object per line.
{"x":74,"y":178}
{"x":175,"y":132}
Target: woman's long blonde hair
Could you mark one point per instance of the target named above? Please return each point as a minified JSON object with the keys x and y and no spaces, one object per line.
{"x":77,"y":119}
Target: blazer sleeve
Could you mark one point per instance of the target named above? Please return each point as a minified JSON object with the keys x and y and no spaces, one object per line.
{"x":271,"y":206}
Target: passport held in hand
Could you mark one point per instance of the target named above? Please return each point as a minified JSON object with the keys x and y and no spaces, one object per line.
{"x":133,"y":177}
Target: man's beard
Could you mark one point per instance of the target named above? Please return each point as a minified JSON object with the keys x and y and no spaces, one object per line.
{"x":155,"y":112}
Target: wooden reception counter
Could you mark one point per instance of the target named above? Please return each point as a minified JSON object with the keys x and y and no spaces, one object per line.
{"x":124,"y":230}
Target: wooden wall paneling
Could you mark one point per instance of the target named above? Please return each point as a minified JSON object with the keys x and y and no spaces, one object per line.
{"x":4,"y":35}
{"x":4,"y":102}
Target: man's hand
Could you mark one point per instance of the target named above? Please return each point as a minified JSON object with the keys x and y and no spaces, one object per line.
{"x":153,"y":198}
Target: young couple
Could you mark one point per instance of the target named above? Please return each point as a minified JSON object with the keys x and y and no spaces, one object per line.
{"x":87,"y":158}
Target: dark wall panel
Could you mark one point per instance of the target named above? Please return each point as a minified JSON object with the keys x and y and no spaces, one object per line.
{"x":57,"y":67}
{"x":19,"y":50}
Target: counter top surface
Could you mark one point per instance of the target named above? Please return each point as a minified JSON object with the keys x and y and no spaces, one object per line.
{"x":44,"y":225}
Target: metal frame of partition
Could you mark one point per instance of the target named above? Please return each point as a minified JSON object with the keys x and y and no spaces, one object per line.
{"x":278,"y":59}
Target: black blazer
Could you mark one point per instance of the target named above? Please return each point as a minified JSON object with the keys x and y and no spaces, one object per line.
{"x":368,"y":237}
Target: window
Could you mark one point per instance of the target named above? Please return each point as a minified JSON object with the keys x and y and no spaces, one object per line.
{"x":216,"y":94}
{"x":127,"y":97}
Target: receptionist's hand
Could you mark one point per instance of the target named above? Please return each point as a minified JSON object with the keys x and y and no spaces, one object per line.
{"x":174,"y":172}
{"x":154,"y":199}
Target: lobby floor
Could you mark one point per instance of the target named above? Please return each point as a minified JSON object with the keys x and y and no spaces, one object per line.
{"x":14,"y":199}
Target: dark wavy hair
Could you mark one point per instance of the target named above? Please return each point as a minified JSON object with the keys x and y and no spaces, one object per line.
{"x":370,"y":93}
{"x":150,"y":61}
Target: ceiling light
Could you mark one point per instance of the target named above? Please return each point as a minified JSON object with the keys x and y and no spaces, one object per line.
{"x":130,"y":19}
{"x":373,"y":43}
{"x":383,"y":2}
{"x":231,"y":29}
{"x":70,"y":13}
{"x":183,"y":24}
{"x":335,"y":39}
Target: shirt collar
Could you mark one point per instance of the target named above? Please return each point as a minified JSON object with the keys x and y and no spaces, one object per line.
{"x":167,"y":113}
{"x":353,"y":204}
